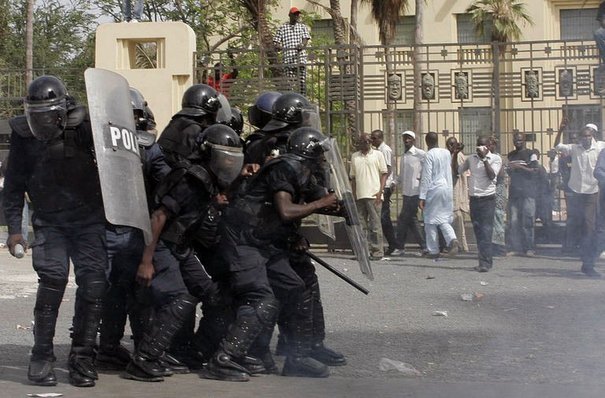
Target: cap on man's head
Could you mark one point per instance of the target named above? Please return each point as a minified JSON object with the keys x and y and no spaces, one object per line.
{"x":294,"y":10}
{"x":410,"y":133}
{"x":592,"y":126}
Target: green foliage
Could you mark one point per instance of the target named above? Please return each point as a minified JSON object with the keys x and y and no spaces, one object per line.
{"x":506,"y":17}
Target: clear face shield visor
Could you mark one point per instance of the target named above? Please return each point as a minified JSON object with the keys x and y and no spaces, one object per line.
{"x":310,"y":117}
{"x":226,"y":163}
{"x":46,"y":120}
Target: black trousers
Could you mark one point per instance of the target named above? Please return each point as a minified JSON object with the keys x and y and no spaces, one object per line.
{"x":385,"y":219}
{"x":482,"y":217}
{"x":408,"y":221}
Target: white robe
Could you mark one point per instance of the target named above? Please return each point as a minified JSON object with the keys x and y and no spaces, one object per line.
{"x":436,"y":187}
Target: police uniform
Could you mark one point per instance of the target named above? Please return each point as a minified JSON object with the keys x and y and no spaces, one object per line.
{"x":62,"y":182}
{"x":124,"y":297}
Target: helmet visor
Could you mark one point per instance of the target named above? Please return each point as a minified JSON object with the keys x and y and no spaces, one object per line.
{"x":46,"y":121}
{"x":226,"y":163}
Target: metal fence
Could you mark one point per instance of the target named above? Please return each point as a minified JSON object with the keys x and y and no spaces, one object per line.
{"x":467,"y":89}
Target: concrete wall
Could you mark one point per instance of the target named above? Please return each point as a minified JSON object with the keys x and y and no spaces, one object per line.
{"x":174,"y":44}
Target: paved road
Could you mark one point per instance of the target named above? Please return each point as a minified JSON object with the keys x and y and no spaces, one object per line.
{"x":535,"y":328}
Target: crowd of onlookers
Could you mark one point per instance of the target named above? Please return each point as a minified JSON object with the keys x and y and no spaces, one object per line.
{"x":502,"y":195}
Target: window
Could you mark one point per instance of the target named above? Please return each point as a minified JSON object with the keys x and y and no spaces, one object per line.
{"x":323,"y":31}
{"x":580,"y":115}
{"x":466,"y":30}
{"x":578,"y":24}
{"x":405,"y":31}
{"x":404,"y":120}
{"x":474,"y":122}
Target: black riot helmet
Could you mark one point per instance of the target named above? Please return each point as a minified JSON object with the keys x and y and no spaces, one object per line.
{"x":200,"y":100}
{"x":46,"y":107}
{"x":143,"y":118}
{"x":260,"y":113}
{"x":287,"y":110}
{"x":221,"y":149}
{"x":236,"y":122}
{"x":308,"y":143}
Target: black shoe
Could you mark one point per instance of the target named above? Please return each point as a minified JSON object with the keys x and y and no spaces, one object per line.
{"x":480,"y":269}
{"x":389,"y":251}
{"x":590,"y":272}
{"x":304,"y":367}
{"x":112,"y":358}
{"x":135,"y":372}
{"x":41,"y":372}
{"x":327,"y":356}
{"x":222,"y":367}
{"x":269,"y":363}
{"x":152,"y":368}
{"x":174,"y":364}
{"x":82,"y":372}
{"x":254,"y":365}
{"x":84,"y":365}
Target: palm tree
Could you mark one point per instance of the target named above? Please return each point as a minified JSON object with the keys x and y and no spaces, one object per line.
{"x":386,"y":14}
{"x":505,"y":18}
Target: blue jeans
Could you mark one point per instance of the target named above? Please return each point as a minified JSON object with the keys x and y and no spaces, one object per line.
{"x":522,"y":215}
{"x":482,"y":216}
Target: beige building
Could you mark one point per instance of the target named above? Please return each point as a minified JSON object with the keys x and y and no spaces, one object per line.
{"x":552,"y":73}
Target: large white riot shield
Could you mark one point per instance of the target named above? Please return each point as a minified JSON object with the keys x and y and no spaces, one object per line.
{"x":117,"y":150}
{"x":342,"y":187}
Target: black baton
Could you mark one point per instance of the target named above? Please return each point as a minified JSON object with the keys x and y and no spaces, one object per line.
{"x":337,"y":273}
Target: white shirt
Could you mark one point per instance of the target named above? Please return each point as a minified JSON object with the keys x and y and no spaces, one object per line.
{"x":387,"y":152}
{"x":479,"y":183}
{"x":583,"y":162}
{"x":410,"y":169}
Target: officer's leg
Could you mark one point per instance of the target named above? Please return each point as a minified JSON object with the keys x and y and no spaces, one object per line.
{"x":305,"y":269}
{"x":124,"y":249}
{"x":290,"y":289}
{"x":88,"y":253}
{"x":258,"y":310}
{"x":49,"y":255}
{"x":173,"y":305}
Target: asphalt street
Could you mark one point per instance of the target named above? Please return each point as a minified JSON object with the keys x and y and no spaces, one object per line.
{"x":533,"y":327}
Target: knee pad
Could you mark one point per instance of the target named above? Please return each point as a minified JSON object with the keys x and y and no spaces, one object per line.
{"x":93,"y":287}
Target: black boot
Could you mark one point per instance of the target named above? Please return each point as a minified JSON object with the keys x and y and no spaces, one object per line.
{"x":145,"y":364}
{"x":112,"y":355}
{"x":319,"y":351}
{"x":300,"y":332}
{"x":48,"y":300}
{"x":260,"y":349}
{"x":248,"y":324}
{"x":141,"y":314}
{"x":87,"y":317}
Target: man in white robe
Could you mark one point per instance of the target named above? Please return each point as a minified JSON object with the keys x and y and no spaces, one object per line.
{"x":436,"y":197}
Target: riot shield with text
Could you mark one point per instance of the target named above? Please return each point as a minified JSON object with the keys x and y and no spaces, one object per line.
{"x":342,"y":187}
{"x":117,"y":150}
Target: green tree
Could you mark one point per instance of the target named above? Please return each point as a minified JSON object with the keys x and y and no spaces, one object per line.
{"x":504,"y":18}
{"x":386,"y":14}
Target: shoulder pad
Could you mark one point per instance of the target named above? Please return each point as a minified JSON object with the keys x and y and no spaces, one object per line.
{"x":201,"y":174}
{"x":20,"y":126}
{"x":76,"y":115}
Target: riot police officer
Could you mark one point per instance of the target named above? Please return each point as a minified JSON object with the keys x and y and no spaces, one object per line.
{"x":124,"y":250}
{"x":51,"y":160}
{"x":204,"y":160}
{"x":258,"y":232}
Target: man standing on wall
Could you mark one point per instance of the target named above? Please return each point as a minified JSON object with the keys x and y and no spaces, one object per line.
{"x":292,"y":38}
